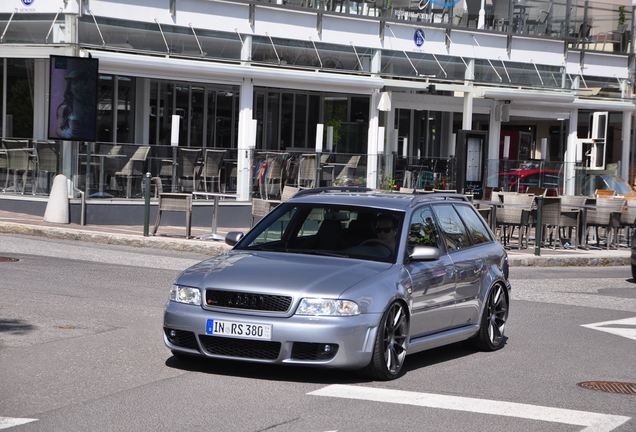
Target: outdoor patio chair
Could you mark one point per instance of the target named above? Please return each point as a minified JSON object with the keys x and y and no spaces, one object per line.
{"x":20,"y":164}
{"x":572,"y":217}
{"x":134,"y":168}
{"x":307,"y":171}
{"x":272,"y":184}
{"x":173,"y":202}
{"x":513,"y":214}
{"x":187,"y":170}
{"x":48,"y":160}
{"x":211,"y":172}
{"x":607,"y":215}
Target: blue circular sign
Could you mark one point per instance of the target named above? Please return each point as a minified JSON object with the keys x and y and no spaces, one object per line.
{"x":27,"y":2}
{"x":419,"y":37}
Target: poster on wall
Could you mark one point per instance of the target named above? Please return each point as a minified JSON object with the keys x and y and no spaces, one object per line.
{"x":73,"y":98}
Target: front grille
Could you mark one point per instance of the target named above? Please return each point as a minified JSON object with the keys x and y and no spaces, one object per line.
{"x":243,"y":348}
{"x":246,"y":300}
{"x":183,"y":339}
{"x":313,"y":351}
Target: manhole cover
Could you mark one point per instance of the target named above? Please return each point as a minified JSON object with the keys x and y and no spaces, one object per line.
{"x":610,"y":387}
{"x":7,"y":259}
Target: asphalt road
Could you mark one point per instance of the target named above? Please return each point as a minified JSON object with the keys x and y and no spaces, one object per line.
{"x":81,"y":350}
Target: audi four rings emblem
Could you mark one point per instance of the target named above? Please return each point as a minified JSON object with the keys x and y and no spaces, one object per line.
{"x":252,"y":300}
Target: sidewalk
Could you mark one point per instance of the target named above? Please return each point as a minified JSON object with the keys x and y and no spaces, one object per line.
{"x":173,"y":238}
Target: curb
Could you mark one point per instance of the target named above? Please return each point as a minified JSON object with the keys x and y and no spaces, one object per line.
{"x":182,"y":245}
{"x":590,"y":261}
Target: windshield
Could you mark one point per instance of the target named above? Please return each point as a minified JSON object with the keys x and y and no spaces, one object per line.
{"x":331,"y":230}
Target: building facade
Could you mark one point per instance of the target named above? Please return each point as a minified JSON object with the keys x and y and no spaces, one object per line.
{"x":448,"y":94}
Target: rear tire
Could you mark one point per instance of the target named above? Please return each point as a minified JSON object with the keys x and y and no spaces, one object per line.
{"x":493,"y":321}
{"x":634,"y":271}
{"x":391,"y":341}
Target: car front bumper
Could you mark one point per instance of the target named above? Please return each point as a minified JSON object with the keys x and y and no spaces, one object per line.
{"x":337,"y":342}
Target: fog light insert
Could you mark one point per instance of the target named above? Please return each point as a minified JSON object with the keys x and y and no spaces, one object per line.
{"x":313,"y":351}
{"x":182,"y":338}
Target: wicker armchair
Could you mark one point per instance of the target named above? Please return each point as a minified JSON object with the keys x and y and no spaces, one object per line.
{"x":607,"y":215}
{"x":48,"y":161}
{"x":555,"y":220}
{"x":272,"y":184}
{"x":212,"y":163}
{"x":572,"y":218}
{"x":514,"y":213}
{"x":173,"y":202}
{"x":134,"y":168}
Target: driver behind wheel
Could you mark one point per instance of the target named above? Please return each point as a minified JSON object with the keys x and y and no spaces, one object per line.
{"x":385,"y":228}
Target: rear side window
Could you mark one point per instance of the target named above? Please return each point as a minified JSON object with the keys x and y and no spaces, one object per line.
{"x":453,"y":230}
{"x":474,"y":224}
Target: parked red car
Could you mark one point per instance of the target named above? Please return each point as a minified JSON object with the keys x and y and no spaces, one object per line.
{"x":521,"y":180}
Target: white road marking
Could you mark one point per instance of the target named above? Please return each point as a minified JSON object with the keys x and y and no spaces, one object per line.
{"x":8,"y":422}
{"x":625,"y":327}
{"x":593,"y":422}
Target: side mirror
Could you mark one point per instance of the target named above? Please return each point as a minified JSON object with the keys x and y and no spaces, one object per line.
{"x":233,"y":237}
{"x":424,"y":253}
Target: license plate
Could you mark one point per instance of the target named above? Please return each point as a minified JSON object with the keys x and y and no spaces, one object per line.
{"x":239,"y":329}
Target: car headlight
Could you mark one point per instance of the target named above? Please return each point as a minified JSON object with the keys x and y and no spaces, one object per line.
{"x":182,"y":294}
{"x":327,"y":307}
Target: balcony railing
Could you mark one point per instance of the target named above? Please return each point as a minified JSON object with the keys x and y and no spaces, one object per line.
{"x":584,"y":24}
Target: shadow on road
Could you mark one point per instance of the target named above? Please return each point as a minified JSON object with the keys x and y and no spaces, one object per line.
{"x":15,"y":326}
{"x":307,"y":374}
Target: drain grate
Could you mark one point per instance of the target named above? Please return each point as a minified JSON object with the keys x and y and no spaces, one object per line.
{"x":7,"y":259}
{"x":610,"y":387}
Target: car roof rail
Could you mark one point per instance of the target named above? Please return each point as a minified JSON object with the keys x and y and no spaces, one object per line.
{"x":318,"y":190}
{"x":438,"y":196}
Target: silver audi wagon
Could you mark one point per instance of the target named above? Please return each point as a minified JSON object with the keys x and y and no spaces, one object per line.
{"x":346,"y":278}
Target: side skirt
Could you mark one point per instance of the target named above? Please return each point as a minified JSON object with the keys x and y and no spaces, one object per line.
{"x":440,"y":339}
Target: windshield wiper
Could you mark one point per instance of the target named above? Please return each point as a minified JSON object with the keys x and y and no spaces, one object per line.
{"x":268,"y":248}
{"x":318,"y":252}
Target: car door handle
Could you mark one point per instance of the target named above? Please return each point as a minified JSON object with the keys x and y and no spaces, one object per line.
{"x":450,"y":272}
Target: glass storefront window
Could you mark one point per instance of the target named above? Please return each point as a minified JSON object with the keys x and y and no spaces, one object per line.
{"x":225,"y":114}
{"x":300,"y":121}
{"x":125,"y":110}
{"x":19,"y":114}
{"x":105,"y":109}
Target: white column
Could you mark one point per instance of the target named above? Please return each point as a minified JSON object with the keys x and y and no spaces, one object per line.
{"x":372,"y":148}
{"x":40,"y":102}
{"x":469,"y":76}
{"x":569,"y":179}
{"x":246,"y":140}
{"x":494,"y":136}
{"x":627,"y":127}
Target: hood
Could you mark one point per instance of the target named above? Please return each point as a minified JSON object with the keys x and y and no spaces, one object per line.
{"x":281,"y":273}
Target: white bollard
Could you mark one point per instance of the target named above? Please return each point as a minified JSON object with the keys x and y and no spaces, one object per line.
{"x":57,"y":209}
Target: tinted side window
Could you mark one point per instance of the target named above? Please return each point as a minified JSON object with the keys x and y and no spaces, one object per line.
{"x":475,"y":225}
{"x":452,"y":228}
{"x":423,"y":229}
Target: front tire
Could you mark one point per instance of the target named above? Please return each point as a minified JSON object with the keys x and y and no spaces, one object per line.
{"x":391,"y":341}
{"x":493,"y":322}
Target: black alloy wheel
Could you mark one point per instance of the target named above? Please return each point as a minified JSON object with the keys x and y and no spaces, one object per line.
{"x":391,"y":342}
{"x":491,"y":332}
